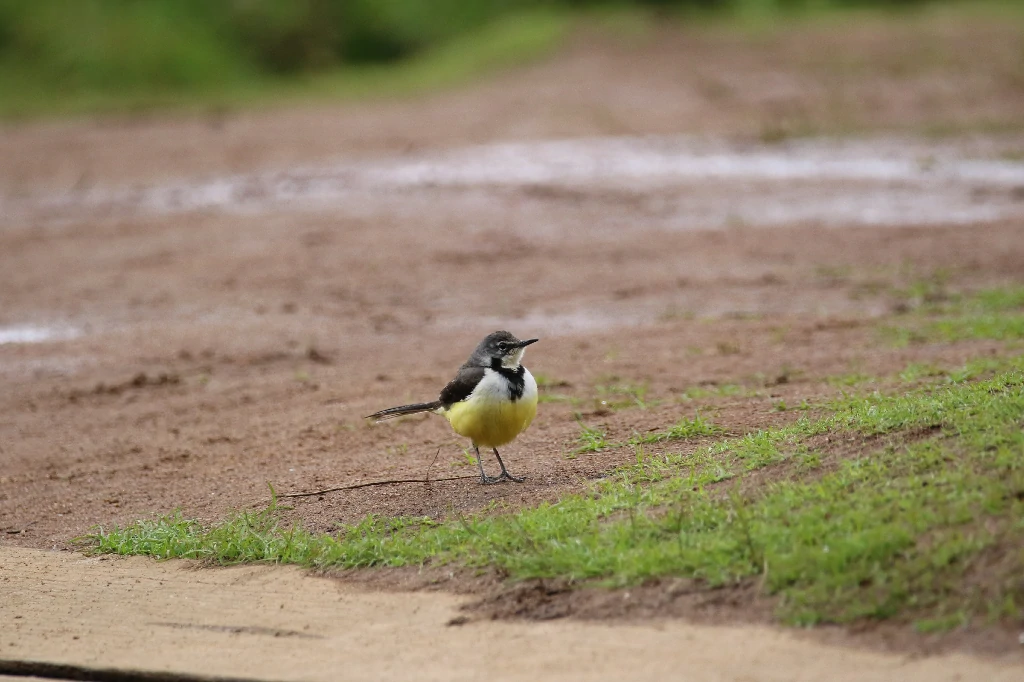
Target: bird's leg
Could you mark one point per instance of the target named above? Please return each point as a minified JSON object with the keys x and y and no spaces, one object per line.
{"x":504,"y":471}
{"x":484,"y":478}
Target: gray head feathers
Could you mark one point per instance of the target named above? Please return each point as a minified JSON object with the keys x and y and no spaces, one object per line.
{"x":499,"y":348}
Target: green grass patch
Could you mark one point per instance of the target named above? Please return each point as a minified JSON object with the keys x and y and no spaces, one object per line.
{"x":544,"y":381}
{"x":998,"y":327}
{"x":701,"y":392}
{"x":556,"y":398}
{"x":996,"y":314}
{"x":592,"y":440}
{"x":506,"y":42}
{"x":546,"y":385}
{"x":684,"y":428}
{"x":998,"y":300}
{"x":180,"y":68}
{"x":917,"y":371}
{"x":851,"y":380}
{"x":618,"y":396}
{"x":900,"y":531}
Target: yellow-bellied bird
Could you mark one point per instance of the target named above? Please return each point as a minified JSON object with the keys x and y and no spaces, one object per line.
{"x":491,"y":400}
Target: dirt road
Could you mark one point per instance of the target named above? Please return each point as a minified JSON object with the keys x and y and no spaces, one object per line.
{"x":262,"y":623}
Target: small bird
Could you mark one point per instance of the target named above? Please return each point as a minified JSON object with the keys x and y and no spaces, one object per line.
{"x":491,"y":400}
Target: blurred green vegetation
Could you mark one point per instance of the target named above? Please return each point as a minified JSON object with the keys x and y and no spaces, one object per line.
{"x":145,"y":49}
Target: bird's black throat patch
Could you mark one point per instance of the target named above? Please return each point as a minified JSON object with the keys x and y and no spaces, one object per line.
{"x":516,"y":378}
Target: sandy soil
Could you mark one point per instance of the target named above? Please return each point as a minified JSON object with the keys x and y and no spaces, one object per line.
{"x":261,"y":623}
{"x":160,"y":351}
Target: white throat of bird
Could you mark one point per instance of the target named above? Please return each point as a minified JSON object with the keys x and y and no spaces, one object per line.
{"x":512,"y":360}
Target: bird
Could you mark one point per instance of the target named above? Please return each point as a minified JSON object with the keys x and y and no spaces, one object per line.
{"x":491,"y":400}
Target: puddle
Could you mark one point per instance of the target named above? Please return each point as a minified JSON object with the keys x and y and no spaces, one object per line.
{"x":27,"y":333}
{"x":591,"y":160}
{"x":551,"y":323}
{"x":709,"y":183}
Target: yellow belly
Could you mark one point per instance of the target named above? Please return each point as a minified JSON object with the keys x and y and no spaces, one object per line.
{"x":491,"y":423}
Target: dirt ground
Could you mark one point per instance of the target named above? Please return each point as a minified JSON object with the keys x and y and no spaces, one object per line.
{"x":265,"y":623}
{"x":168,"y":353}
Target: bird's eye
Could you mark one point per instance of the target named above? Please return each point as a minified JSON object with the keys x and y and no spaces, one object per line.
{"x":502,"y":346}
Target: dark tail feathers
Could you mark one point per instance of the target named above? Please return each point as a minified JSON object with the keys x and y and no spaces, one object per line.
{"x":403,"y":410}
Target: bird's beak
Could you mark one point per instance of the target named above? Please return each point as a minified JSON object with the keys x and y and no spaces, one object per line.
{"x":524,"y":344}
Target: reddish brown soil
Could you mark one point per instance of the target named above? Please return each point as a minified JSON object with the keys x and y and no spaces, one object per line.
{"x":221,"y":352}
{"x":200,"y":410}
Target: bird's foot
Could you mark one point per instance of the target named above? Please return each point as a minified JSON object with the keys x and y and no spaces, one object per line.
{"x":503,"y":476}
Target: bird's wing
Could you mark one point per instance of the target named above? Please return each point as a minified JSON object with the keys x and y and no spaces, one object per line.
{"x":459,"y":388}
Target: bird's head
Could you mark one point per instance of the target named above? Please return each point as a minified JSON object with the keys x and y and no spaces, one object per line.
{"x":501,"y":348}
